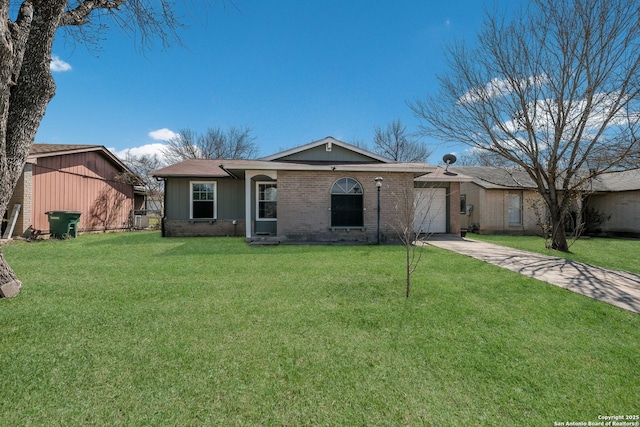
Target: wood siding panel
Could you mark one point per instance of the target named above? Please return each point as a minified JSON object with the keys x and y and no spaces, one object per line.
{"x":230,"y":198}
{"x":177,"y":203}
{"x":320,"y":154}
{"x":84,"y":182}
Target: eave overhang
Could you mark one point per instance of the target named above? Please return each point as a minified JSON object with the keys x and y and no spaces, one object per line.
{"x":238,"y":167}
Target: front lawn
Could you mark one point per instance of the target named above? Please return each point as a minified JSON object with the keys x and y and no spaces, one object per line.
{"x":133,"y":329}
{"x":616,"y":254}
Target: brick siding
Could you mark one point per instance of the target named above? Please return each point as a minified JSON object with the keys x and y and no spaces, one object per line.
{"x":188,"y":228}
{"x":22,"y":195}
{"x":304,"y":206}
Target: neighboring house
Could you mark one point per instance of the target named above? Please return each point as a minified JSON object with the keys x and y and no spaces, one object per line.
{"x":613,"y":206}
{"x":501,"y":201}
{"x":84,"y":178}
{"x":324,"y":191}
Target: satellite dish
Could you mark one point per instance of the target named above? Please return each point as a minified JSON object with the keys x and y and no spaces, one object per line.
{"x":449,"y":159}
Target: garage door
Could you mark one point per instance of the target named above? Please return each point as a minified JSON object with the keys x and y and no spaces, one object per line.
{"x":431,"y":210}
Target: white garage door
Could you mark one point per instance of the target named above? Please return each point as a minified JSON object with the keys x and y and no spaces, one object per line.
{"x":431,"y":210}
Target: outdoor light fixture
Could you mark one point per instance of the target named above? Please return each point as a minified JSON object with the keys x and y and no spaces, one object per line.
{"x":378,"y":180}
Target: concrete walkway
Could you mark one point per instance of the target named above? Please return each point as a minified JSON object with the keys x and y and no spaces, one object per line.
{"x":618,"y":288}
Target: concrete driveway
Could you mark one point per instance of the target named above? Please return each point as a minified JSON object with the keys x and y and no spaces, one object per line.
{"x":619,"y":288}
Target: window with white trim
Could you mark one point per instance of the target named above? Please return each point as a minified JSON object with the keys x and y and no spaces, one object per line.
{"x":515,"y":208}
{"x":346,"y":203}
{"x":267,"y":203}
{"x":203,"y":200}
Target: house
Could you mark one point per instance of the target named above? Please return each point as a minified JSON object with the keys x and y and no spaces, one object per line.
{"x":324,"y":191}
{"x":499,"y":201}
{"x":84,"y":178}
{"x":613,"y":204}
{"x":506,"y":201}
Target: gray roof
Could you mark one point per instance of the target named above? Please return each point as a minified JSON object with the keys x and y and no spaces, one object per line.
{"x":500,"y":178}
{"x":53,"y":149}
{"x":204,"y":168}
{"x":496,"y":178}
{"x":628,"y":180}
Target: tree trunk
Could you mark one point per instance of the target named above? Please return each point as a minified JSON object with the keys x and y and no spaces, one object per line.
{"x":408,"y":248}
{"x":559,"y":238}
{"x":558,"y":234}
{"x":26,"y":84}
{"x":27,"y":87}
{"x":9,"y":283}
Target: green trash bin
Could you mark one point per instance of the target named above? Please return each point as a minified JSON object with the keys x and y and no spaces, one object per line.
{"x":63,"y":224}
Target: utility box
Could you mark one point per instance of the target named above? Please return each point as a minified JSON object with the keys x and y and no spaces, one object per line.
{"x":63,"y":224}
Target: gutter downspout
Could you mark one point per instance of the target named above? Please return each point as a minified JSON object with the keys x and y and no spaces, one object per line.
{"x":231,"y":174}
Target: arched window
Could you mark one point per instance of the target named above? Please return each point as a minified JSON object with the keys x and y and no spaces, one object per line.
{"x":346,"y":203}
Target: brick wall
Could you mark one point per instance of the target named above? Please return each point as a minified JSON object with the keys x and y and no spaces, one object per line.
{"x":187,"y":228}
{"x":22,"y":195}
{"x":304,"y":205}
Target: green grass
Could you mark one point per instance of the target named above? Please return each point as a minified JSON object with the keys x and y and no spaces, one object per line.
{"x":133,"y":329}
{"x":616,"y":254}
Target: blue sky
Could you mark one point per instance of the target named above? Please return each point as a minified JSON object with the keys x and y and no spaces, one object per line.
{"x":293,"y":71}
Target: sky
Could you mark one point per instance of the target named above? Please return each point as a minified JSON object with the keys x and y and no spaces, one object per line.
{"x":292,"y":71}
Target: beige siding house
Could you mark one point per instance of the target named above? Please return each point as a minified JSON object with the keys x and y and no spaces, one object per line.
{"x":500,"y":201}
{"x":615,"y":202}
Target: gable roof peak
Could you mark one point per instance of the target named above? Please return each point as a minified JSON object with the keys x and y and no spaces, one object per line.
{"x":38,"y":150}
{"x":329,"y":141}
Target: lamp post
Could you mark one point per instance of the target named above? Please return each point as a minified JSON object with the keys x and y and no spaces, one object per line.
{"x":378,"y":180}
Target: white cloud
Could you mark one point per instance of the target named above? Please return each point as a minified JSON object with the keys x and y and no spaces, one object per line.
{"x":543,"y":114}
{"x":58,"y":65}
{"x":498,"y":87}
{"x":147,"y":149}
{"x":163,"y":134}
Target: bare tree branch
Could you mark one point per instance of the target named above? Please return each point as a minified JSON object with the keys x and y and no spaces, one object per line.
{"x":26,"y":83}
{"x":235,"y":143}
{"x":394,"y":143}
{"x":555,"y":91}
{"x":79,"y":15}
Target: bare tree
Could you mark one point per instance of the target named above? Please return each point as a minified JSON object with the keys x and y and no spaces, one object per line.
{"x":476,"y":157}
{"x":235,"y":143}
{"x":413,"y":224}
{"x":26,"y":83}
{"x":395,"y":143}
{"x":554,"y":91}
{"x":403,"y":226}
{"x":143,"y":167}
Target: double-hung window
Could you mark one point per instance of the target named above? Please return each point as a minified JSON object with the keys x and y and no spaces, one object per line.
{"x":515,"y":208}
{"x":267,"y":204}
{"x":203,"y":200}
{"x":346,"y":203}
